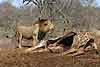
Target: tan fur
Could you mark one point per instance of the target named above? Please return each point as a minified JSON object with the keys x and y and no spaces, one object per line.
{"x":23,"y":31}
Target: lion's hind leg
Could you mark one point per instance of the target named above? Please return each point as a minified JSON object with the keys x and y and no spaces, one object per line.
{"x":20,"y":41}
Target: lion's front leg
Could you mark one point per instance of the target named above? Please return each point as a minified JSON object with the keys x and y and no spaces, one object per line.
{"x":45,"y":39}
{"x":34,"y":41}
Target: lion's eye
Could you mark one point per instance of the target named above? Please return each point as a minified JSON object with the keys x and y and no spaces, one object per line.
{"x":45,"y":24}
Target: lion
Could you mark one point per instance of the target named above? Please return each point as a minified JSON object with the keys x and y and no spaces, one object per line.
{"x":37,"y":31}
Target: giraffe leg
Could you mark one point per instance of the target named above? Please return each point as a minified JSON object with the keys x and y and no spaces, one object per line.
{"x":79,"y":52}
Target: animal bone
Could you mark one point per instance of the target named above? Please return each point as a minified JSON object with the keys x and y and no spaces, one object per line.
{"x":41,"y":44}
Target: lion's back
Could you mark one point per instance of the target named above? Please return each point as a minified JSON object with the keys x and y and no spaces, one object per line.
{"x":26,"y":31}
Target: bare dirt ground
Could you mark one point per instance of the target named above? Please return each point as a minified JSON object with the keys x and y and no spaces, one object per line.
{"x":11,"y":57}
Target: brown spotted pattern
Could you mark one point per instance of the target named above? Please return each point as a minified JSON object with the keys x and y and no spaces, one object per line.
{"x":81,"y":39}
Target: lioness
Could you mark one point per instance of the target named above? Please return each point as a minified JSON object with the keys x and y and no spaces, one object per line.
{"x":37,"y":31}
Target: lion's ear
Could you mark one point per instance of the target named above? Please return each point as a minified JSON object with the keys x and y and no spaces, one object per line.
{"x":36,"y":22}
